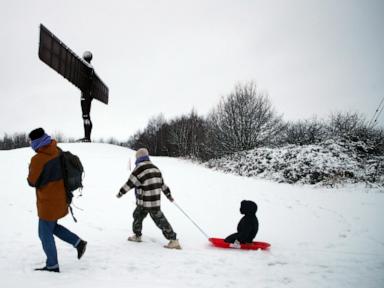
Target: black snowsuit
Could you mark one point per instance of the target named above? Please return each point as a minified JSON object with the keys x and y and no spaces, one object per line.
{"x":248,"y":225}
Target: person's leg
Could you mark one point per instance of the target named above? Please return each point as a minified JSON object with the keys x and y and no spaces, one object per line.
{"x":48,"y":242}
{"x":162,"y":222}
{"x":87,"y":128}
{"x":231,"y":238}
{"x":86,"y":101}
{"x":66,"y":235}
{"x":71,"y":238}
{"x":138,"y":216}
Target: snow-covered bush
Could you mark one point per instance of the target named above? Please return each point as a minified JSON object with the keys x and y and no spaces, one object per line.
{"x":327,"y":163}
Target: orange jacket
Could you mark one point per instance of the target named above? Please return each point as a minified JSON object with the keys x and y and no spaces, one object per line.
{"x":45,"y":175}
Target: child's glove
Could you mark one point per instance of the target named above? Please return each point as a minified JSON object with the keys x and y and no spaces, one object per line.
{"x":119,"y":194}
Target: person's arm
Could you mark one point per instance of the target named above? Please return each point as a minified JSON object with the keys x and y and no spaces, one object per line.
{"x":34,"y":172}
{"x":132,"y":182}
{"x":167,"y":192}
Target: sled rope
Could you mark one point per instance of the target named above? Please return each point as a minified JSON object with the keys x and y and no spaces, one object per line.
{"x":198,"y":227}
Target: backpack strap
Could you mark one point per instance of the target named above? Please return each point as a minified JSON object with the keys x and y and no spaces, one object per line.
{"x":73,"y":216}
{"x":65,"y":184}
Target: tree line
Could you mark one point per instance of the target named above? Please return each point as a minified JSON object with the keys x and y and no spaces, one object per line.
{"x":243,"y":120}
{"x":17,"y":140}
{"x":21,"y":140}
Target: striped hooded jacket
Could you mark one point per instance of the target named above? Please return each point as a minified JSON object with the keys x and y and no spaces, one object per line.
{"x":148,"y":182}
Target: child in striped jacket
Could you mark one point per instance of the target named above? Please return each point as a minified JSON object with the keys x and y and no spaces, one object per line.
{"x":148,"y":182}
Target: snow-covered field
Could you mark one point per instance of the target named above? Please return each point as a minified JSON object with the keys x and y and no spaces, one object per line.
{"x":320,"y":237}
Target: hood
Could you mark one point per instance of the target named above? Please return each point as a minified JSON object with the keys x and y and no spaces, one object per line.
{"x":248,"y":207}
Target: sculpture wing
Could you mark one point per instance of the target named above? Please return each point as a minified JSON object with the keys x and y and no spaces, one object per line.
{"x":54,"y":53}
{"x":99,"y":90}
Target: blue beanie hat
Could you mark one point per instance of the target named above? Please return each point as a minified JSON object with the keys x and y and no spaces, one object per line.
{"x":39,"y":138}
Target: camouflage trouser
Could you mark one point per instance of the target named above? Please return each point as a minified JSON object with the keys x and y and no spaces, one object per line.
{"x":157,"y":216}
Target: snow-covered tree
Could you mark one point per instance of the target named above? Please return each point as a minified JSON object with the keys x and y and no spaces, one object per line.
{"x":243,"y":120}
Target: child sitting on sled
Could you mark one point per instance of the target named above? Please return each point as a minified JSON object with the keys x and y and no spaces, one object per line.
{"x":248,"y":225}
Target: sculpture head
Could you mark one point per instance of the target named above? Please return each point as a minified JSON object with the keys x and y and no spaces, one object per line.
{"x":87,"y":56}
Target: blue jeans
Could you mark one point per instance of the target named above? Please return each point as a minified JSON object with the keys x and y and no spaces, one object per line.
{"x":46,"y":231}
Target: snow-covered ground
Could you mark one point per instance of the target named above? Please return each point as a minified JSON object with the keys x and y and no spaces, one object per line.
{"x":320,"y":237}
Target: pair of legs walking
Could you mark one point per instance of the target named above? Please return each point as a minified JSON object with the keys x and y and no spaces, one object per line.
{"x":47,"y":229}
{"x":157,"y":216}
{"x":161,"y":222}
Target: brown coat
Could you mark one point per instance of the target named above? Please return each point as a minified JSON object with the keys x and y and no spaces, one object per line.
{"x":51,"y":198}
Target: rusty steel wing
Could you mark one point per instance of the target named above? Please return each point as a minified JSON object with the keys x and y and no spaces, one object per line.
{"x":63,"y":60}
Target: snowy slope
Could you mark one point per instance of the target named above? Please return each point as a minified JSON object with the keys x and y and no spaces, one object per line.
{"x":320,"y":237}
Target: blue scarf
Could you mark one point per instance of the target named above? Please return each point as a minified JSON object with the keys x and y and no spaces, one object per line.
{"x":141,"y":159}
{"x":40,"y":142}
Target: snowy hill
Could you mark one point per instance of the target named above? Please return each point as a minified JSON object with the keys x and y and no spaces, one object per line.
{"x":320,"y":237}
{"x":328,"y":164}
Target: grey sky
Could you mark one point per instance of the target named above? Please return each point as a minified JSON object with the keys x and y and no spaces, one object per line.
{"x":311,"y":57}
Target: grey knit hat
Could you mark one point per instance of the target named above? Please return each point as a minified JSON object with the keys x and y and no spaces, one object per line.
{"x":141,"y":153}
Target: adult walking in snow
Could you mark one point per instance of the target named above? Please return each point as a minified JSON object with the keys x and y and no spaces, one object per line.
{"x":148,"y":182}
{"x":45,"y":175}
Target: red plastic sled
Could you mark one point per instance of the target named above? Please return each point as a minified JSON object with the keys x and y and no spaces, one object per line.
{"x":219,"y":242}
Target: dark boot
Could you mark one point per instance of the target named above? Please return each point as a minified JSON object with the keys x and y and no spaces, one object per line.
{"x":48,"y":269}
{"x":81,"y":248}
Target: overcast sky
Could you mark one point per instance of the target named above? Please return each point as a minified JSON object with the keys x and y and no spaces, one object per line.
{"x":311,"y":57}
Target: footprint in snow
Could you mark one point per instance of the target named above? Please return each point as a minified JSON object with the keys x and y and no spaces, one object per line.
{"x":277,"y":263}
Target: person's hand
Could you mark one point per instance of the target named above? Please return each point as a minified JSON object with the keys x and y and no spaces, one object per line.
{"x":171,"y":199}
{"x":121,"y":193}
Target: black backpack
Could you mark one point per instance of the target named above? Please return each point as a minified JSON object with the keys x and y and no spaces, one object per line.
{"x":73,"y":172}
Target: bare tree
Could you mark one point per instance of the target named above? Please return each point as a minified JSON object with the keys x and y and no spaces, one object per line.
{"x":151,"y":137}
{"x":305,"y":132}
{"x":188,"y":134}
{"x":354,"y":127}
{"x":346,"y":125}
{"x":243,"y":120}
{"x":179,"y":135}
